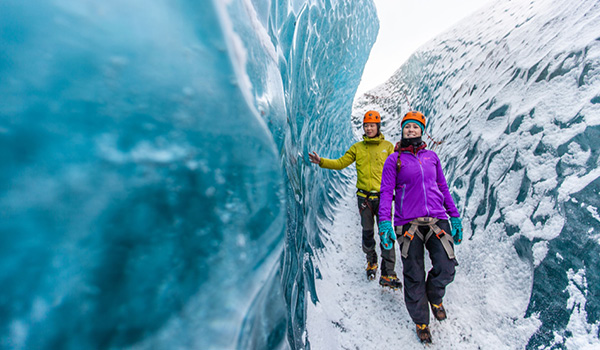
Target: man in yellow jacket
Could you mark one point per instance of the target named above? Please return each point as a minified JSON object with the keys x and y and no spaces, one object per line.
{"x":370,"y":155}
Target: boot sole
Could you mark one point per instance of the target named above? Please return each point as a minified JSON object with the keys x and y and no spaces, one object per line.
{"x":426,"y":340}
{"x":390,"y":287}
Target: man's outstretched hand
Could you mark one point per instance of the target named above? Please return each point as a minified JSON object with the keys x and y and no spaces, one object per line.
{"x":314,"y":158}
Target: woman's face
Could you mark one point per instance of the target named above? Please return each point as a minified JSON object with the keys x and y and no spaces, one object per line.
{"x":370,"y":129}
{"x":411,"y":130}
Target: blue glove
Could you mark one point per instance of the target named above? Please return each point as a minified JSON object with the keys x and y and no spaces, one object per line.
{"x":387,"y":234}
{"x":457,"y":230}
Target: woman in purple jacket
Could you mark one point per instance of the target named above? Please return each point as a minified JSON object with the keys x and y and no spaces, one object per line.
{"x":413,"y":176}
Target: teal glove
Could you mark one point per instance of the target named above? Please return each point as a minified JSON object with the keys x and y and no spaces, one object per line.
{"x":387,"y":234}
{"x":457,"y":230}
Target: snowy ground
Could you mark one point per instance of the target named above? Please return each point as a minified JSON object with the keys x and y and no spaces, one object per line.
{"x":353,"y":313}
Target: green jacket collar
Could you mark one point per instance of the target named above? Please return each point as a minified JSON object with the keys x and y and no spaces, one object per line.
{"x":376,"y":139}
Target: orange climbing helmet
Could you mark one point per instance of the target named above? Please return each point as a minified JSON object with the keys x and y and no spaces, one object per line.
{"x":414,"y":117}
{"x":372,"y":117}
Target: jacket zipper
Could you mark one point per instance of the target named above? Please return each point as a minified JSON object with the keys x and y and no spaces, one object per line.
{"x":423,"y":183}
{"x":370,"y":153}
{"x":402,"y":198}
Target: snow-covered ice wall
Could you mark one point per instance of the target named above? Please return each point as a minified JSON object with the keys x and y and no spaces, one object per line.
{"x":514,"y":93}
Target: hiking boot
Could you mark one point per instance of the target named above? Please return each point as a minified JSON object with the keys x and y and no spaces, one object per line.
{"x":423,"y":333}
{"x":438,"y":311}
{"x":390,"y":281}
{"x":371,"y":271}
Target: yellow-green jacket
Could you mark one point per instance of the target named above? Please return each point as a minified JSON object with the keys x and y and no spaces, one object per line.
{"x":370,"y":155}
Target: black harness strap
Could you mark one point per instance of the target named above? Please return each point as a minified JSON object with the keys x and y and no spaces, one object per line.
{"x":433,"y":229}
{"x":368,"y":196}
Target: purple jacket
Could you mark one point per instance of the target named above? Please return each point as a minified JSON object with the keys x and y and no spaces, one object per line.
{"x":420,"y":186}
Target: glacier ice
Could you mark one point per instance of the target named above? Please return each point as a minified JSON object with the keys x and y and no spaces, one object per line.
{"x":154,"y":188}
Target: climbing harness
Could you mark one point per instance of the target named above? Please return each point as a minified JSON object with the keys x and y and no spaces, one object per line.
{"x":367,"y":194}
{"x":434,"y":229}
{"x":369,"y":197}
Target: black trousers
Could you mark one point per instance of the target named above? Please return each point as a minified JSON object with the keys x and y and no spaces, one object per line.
{"x":369,"y":211}
{"x":420,"y":290}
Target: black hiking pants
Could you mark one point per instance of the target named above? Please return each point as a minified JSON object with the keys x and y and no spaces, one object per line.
{"x":369,"y":211}
{"x":420,"y":290}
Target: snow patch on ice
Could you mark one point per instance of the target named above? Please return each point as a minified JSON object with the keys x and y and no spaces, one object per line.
{"x":540,"y":249}
{"x":585,"y":335}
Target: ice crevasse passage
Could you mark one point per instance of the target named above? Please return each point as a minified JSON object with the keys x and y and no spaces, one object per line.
{"x":155,"y":190}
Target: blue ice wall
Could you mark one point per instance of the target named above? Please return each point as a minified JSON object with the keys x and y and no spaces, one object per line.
{"x":153,"y":186}
{"x":320,"y":48}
